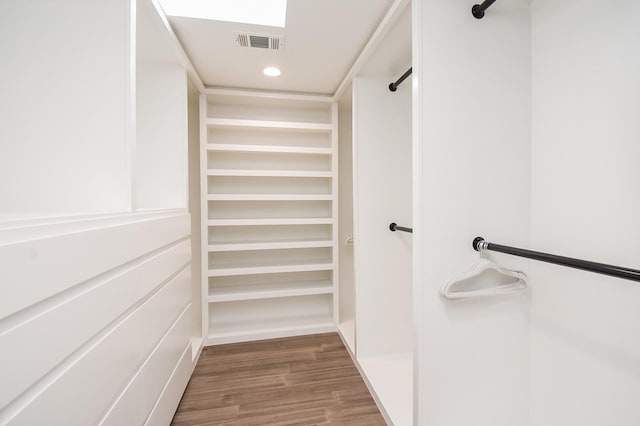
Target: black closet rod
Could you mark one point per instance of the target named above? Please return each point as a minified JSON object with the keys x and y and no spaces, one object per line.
{"x":479,"y":244}
{"x":394,"y":86}
{"x":395,"y":227}
{"x":478,"y":9}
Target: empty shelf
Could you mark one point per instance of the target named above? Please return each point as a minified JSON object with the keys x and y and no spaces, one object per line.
{"x":270,"y":173}
{"x":276,"y":245}
{"x":283,"y":221}
{"x":227,"y":270}
{"x":238,"y":331}
{"x":268,"y":291}
{"x":266,"y":124}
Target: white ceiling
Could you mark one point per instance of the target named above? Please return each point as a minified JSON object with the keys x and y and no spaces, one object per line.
{"x":322,"y":40}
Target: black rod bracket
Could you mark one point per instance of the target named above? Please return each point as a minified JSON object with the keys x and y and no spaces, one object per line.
{"x":478,"y":9}
{"x":394,"y":86}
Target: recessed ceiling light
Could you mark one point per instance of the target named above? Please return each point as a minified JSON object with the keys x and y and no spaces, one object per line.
{"x":271,"y":13}
{"x":271,"y":71}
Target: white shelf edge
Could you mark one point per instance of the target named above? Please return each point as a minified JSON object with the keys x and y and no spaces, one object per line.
{"x":268,"y":124}
{"x":270,"y":294}
{"x":225,"y":147}
{"x":347,"y":330}
{"x":269,"y":197}
{"x":263,"y":222}
{"x":269,"y":173}
{"x":276,"y":245}
{"x":271,"y":269}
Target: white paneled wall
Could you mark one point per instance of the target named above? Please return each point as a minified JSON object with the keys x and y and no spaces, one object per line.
{"x":96,"y":319}
{"x":382,"y":195}
{"x":46,"y":112}
{"x":585,"y":351}
{"x":382,"y":188}
{"x":472,"y":162}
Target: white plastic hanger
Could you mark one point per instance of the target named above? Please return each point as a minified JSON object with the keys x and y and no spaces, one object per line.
{"x":454,"y":288}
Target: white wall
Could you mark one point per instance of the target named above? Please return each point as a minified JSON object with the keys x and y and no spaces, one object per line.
{"x":472,"y":176}
{"x":382,"y":194}
{"x":161,"y":137}
{"x":585,"y":351}
{"x":64,"y":81}
{"x":160,"y":169}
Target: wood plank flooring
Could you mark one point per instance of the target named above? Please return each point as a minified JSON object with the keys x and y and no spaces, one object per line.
{"x":305,"y":380}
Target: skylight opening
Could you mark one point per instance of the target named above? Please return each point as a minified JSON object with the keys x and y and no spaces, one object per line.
{"x":271,"y":13}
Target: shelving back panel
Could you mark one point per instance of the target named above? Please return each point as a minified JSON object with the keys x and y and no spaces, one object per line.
{"x":268,"y":209}
{"x":267,"y":185}
{"x":267,"y":137}
{"x":254,"y":316}
{"x":267,"y":159}
{"x":284,"y":257}
{"x":269,"y":109}
{"x":273,"y":281}
{"x":267,"y":233}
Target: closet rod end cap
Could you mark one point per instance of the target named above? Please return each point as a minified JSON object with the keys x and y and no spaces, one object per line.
{"x":477,"y":11}
{"x":476,"y":243}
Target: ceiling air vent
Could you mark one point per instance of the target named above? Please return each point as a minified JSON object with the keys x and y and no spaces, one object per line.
{"x":260,"y":41}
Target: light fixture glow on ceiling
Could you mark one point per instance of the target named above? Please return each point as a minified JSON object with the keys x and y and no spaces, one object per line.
{"x":272,"y":13}
{"x":271,"y":71}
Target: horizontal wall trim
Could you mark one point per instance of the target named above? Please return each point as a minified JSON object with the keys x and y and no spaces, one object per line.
{"x":99,"y":304}
{"x":41,"y":268}
{"x":116,"y":353}
{"x":35,"y":228}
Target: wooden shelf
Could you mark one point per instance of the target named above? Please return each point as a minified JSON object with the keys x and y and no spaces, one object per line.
{"x":272,"y":245}
{"x":270,"y":173}
{"x":263,"y":222}
{"x":269,"y":291}
{"x":268,"y":269}
{"x":224,"y":147}
{"x":269,"y":197}
{"x":266,"y":124}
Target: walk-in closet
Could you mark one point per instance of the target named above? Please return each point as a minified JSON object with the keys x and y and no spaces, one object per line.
{"x":362,"y":212}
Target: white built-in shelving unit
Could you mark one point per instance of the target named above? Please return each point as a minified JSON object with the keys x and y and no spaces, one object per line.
{"x":269,"y":214}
